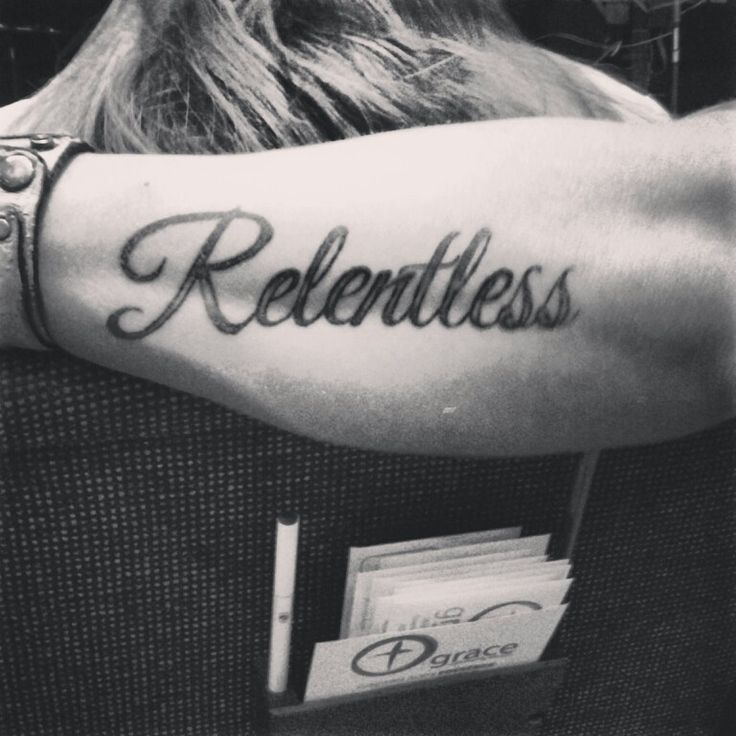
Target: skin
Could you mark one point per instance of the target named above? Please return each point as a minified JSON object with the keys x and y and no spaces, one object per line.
{"x":639,"y":218}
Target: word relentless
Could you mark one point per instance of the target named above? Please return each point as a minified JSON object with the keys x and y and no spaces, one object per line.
{"x":501,"y":299}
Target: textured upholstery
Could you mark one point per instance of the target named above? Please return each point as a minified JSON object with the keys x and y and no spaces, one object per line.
{"x":136,"y":542}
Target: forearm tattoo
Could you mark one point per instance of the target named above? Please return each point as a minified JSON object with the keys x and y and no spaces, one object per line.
{"x":503,"y":299}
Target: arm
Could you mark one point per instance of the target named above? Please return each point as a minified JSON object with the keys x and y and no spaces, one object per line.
{"x":505,"y":287}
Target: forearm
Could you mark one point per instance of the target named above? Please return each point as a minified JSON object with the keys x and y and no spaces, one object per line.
{"x":598,"y":312}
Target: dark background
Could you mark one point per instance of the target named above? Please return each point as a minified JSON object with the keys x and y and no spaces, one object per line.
{"x":37,"y":37}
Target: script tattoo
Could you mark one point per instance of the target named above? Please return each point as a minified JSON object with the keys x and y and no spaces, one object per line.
{"x":502,"y":299}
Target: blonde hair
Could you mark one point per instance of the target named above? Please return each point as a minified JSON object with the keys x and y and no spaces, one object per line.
{"x":214,"y":76}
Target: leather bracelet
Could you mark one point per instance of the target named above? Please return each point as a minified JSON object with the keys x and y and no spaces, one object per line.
{"x":29,"y":167}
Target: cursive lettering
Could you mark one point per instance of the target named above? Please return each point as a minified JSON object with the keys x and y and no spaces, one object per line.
{"x":501,"y":300}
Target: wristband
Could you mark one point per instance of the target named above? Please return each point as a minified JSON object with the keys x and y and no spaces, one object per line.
{"x":29,"y":167}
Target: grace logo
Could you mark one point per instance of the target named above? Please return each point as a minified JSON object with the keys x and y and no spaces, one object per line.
{"x":397,"y":654}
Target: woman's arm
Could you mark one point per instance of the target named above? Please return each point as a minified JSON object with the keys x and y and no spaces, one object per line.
{"x":505,"y":287}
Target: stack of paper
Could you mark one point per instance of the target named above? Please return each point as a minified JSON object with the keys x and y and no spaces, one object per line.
{"x":441,"y":605}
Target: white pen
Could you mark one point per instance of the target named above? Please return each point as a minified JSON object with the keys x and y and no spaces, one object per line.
{"x":284,"y":577}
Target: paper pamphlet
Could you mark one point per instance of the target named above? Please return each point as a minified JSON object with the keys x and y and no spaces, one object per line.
{"x":430,"y":607}
{"x":354,"y":612}
{"x":404,"y":612}
{"x":363,"y":559}
{"x":537,"y":573}
{"x":372,"y":585}
{"x":531,"y":545}
{"x":349,"y":666}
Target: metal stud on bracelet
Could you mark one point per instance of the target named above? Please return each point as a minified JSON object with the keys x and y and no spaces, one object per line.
{"x":29,"y":166}
{"x":5,"y":228}
{"x":16,"y":171}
